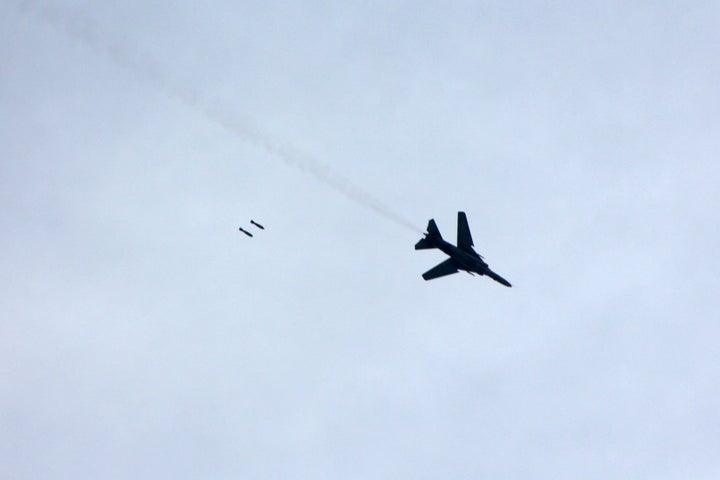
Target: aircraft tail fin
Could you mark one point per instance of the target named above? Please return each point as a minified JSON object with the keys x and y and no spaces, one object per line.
{"x":433,"y":233}
{"x":433,"y":230}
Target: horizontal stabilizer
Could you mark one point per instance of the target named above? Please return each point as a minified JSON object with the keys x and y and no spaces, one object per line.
{"x":424,"y":244}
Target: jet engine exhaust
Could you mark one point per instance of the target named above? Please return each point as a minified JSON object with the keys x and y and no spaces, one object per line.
{"x":148,"y":71}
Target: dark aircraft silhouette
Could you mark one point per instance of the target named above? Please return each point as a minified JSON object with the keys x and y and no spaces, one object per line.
{"x":462,"y":256}
{"x":245,"y":232}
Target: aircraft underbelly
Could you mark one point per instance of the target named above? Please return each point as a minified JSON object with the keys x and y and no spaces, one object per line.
{"x":469,"y":264}
{"x":462,"y":256}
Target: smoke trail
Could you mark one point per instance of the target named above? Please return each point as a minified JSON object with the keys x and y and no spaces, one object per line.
{"x":148,"y":71}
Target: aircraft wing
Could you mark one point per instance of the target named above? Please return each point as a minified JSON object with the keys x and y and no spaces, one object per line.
{"x":464,"y":239}
{"x":440,"y":270}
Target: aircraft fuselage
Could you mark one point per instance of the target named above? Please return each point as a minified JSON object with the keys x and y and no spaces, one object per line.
{"x":462,"y":256}
{"x":464,"y":260}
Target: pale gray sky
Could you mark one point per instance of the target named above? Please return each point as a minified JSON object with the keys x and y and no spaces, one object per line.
{"x":142,"y":336}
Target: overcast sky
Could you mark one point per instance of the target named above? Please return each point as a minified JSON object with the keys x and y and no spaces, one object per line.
{"x":142,"y":336}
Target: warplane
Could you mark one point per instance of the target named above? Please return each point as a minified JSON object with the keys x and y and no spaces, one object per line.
{"x":245,"y":232}
{"x":462,"y":256}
